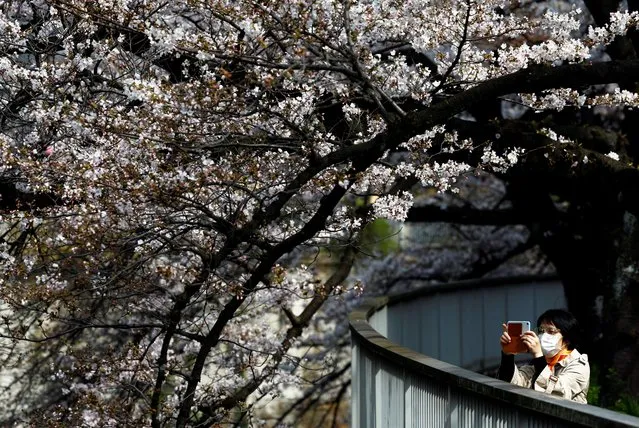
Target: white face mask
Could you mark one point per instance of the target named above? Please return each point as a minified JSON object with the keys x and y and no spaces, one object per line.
{"x":550,"y":344}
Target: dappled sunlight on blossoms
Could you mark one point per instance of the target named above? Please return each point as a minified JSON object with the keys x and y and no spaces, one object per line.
{"x":393,"y":207}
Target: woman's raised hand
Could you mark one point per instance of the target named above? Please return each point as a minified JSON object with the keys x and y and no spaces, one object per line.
{"x":504,"y":339}
{"x":531,"y":340}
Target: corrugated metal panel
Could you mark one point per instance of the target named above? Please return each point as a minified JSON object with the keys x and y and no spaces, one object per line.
{"x":494,"y":314}
{"x":427,"y":403}
{"x":476,"y":411}
{"x":372,"y":416}
{"x":550,"y":295}
{"x":355,"y":385}
{"x":410,"y":317}
{"x":395,"y":323}
{"x":429,"y":327}
{"x":449,"y":328}
{"x":390,"y":400}
{"x":378,"y":321}
{"x":363,"y":392}
{"x":520,"y":303}
{"x":472,"y":327}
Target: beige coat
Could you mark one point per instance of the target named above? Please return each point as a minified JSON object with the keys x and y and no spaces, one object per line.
{"x":571,"y":378}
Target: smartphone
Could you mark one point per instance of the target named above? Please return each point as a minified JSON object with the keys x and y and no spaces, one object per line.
{"x":516,"y":329}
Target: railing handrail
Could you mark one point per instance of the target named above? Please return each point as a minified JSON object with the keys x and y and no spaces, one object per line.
{"x":371,"y":340}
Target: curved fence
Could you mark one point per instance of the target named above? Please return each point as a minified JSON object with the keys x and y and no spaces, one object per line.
{"x":413,"y":356}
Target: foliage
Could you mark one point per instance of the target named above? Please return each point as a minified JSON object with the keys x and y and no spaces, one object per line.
{"x":626,"y":403}
{"x":380,"y":236}
{"x":594,"y":387}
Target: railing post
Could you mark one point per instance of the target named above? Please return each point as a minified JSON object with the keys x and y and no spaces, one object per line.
{"x":355,"y":385}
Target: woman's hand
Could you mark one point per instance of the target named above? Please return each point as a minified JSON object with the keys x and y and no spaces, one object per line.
{"x":505,"y":339}
{"x":532,"y":343}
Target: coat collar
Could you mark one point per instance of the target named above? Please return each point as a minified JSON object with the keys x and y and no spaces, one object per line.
{"x":574,"y":355}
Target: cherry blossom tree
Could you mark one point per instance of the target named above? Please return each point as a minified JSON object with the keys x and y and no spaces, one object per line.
{"x":169,"y":172}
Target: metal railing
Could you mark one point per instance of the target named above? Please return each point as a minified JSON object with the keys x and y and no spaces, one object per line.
{"x":399,"y":345}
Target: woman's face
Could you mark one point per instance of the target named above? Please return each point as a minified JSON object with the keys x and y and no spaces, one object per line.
{"x":549,"y":328}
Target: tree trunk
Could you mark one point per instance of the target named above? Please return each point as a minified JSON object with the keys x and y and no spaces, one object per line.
{"x":621,"y":319}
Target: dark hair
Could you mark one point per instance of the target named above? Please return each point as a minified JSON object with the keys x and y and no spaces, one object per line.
{"x":565,"y":322}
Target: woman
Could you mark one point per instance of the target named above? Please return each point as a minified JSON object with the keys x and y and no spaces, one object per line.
{"x":557,"y":367}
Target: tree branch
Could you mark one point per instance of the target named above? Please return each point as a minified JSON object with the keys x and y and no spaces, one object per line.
{"x":337,"y":278}
{"x":316,"y":223}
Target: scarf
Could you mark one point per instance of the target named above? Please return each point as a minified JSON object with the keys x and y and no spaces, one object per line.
{"x":554,"y":360}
